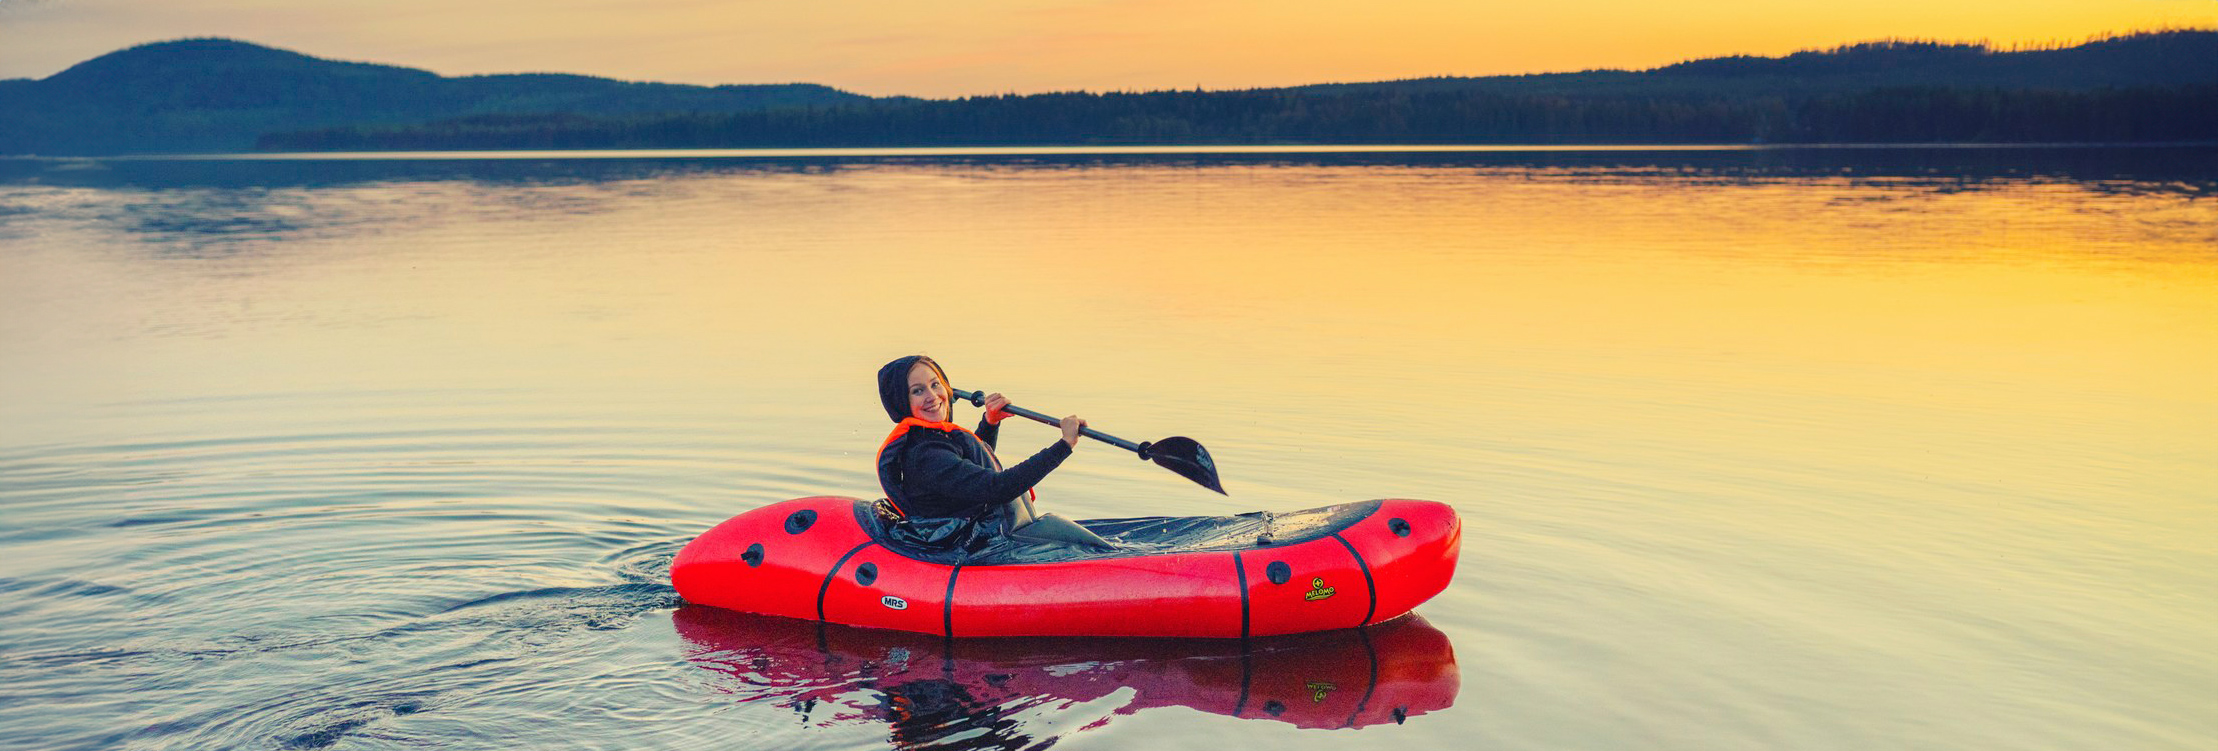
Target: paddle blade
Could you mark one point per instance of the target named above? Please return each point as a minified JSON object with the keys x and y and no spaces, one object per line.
{"x":1186,"y":457}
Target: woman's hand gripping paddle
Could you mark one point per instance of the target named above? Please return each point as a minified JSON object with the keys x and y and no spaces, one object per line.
{"x":1176,"y":453}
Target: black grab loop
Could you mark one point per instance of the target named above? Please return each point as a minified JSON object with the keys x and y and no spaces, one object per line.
{"x":1399,"y":526}
{"x":799,"y":521}
{"x":753,"y":556}
{"x":1278,"y":572}
{"x":866,"y":573}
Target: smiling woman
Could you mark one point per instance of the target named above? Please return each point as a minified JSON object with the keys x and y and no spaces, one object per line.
{"x":932,"y":468}
{"x":945,"y":485}
{"x":928,"y":397}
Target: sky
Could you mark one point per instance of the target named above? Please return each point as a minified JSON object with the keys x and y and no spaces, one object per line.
{"x":977,"y":47}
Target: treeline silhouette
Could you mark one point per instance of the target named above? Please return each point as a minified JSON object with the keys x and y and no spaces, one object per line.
{"x":1900,"y":115}
{"x":202,"y":95}
{"x":2149,"y":87}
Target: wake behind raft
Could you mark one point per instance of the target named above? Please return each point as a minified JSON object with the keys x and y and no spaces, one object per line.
{"x":841,"y":560}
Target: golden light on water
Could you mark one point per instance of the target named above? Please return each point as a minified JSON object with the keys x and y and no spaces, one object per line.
{"x":1427,"y":281}
{"x":1854,"y":446}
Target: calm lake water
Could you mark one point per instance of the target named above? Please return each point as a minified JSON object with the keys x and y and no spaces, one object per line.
{"x":1754,"y":449}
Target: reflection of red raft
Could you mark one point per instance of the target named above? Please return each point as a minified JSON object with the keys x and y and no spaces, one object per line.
{"x":1348,"y":678}
{"x":1256,"y":574}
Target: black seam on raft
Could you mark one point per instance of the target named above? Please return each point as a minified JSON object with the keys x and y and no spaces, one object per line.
{"x":827,"y":585}
{"x":947,"y":607}
{"x":1365,"y":703}
{"x":1247,"y":676}
{"x":1369,"y":586}
{"x":1242,"y":571}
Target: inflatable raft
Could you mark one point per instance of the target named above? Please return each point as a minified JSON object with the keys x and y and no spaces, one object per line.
{"x":846,"y":561}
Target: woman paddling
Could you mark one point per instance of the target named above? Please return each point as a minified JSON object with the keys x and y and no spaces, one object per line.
{"x":946,"y":483}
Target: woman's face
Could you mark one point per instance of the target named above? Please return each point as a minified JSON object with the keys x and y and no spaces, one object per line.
{"x":927,"y":395}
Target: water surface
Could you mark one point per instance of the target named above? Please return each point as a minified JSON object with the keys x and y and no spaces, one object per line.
{"x":1754,"y":448}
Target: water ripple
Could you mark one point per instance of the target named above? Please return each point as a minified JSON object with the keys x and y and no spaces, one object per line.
{"x":1808,"y":449}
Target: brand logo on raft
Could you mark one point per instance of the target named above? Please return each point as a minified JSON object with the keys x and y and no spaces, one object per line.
{"x":1317,"y":590}
{"x":894,"y":602}
{"x":1318,"y":690}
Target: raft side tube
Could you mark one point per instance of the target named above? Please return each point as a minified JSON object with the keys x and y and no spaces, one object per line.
{"x":1313,"y":586}
{"x":1319,"y":569}
{"x":752,"y":563}
{"x":1176,"y":595}
{"x":878,"y":588}
{"x":1411,"y":547}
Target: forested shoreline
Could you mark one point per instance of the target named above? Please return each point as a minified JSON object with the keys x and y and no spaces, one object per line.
{"x":2144,"y":88}
{"x":1892,"y":115}
{"x":217,"y":95}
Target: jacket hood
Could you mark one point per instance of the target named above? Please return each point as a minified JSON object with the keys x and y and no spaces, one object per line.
{"x":893,"y":385}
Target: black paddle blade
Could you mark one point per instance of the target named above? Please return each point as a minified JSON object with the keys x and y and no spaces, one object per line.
{"x":1186,"y":457}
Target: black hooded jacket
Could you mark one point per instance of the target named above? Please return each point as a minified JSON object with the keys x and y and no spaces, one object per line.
{"x":938,"y":470}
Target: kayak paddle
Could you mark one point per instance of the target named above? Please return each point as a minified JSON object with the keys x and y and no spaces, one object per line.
{"x":1176,"y":453}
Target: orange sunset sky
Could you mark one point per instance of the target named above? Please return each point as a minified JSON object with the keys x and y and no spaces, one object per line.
{"x":962,"y":47}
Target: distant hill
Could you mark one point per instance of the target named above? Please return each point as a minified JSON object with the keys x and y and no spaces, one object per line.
{"x":219,"y":95}
{"x":212,"y":95}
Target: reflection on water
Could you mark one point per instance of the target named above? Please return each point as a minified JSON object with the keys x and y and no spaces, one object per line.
{"x":2131,"y":167}
{"x":1757,"y":448}
{"x":976,"y":694}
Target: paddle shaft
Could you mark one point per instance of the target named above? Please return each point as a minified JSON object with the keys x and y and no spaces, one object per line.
{"x":1178,"y":454}
{"x":978,"y":399}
